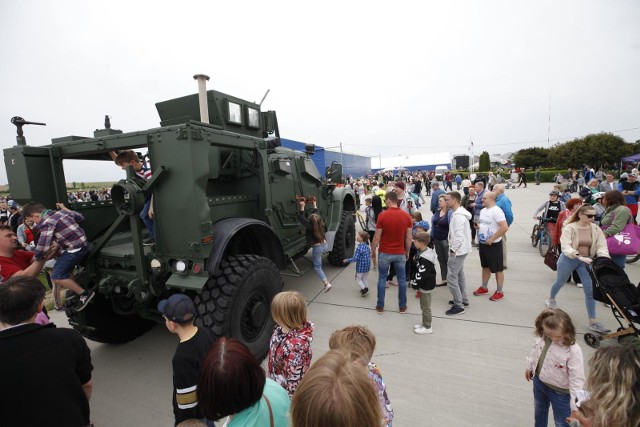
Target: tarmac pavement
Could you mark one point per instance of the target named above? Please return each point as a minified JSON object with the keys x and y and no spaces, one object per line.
{"x":469,"y":372}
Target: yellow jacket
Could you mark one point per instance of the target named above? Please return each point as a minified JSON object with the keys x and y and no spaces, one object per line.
{"x":380,"y":192}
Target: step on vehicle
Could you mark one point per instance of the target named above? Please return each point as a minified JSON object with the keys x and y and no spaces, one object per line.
{"x":225,"y":216}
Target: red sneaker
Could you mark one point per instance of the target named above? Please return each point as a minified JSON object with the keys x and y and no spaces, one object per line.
{"x":481,"y":291}
{"x":497,"y":296}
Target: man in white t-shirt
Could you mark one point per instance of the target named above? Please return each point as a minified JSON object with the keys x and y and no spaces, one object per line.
{"x":492,"y":226}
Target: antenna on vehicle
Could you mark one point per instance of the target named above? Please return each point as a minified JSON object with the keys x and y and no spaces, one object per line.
{"x":202,"y":96}
{"x":265,"y":95}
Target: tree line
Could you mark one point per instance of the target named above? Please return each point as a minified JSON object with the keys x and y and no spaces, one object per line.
{"x":596,"y":150}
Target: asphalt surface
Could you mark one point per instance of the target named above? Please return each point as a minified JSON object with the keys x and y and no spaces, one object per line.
{"x":469,"y":372}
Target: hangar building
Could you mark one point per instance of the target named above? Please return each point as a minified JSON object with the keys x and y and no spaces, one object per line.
{"x":352,"y":164}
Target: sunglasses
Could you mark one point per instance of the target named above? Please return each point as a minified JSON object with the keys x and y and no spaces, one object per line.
{"x":590,"y":215}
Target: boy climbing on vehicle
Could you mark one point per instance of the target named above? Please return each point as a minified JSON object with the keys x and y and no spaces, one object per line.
{"x":62,"y":228}
{"x":130,"y":158}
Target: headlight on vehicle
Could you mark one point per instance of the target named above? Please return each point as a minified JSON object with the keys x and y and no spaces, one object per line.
{"x":181,"y":266}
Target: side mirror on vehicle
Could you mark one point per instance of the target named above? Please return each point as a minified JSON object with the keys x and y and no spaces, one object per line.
{"x":334,"y":173}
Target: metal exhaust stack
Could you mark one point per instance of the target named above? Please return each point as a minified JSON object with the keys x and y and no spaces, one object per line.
{"x":202,"y":96}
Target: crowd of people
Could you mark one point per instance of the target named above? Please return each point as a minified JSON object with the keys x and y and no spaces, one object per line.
{"x":220,"y":381}
{"x":481,"y":217}
{"x":93,"y":195}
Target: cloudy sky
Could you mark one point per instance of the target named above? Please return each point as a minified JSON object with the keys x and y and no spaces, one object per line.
{"x":383,"y":78}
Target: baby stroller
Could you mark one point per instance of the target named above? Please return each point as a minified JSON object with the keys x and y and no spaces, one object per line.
{"x":612,"y":287}
{"x":512,"y":181}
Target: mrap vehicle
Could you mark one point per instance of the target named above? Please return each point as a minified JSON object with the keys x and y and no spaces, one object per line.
{"x":225,"y":216}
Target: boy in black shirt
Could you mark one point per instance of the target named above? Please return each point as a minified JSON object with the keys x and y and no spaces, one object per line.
{"x":179,"y":313}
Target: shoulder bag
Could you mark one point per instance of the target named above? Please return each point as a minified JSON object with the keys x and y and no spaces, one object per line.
{"x":626,"y":242}
{"x":270,"y":411}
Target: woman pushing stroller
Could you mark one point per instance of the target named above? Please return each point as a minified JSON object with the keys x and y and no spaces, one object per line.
{"x":580,"y":242}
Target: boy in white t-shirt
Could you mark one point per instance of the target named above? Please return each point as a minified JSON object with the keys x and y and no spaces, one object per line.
{"x":491,"y":227}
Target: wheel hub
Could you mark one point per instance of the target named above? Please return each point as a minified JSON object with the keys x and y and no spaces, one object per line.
{"x":254,"y":317}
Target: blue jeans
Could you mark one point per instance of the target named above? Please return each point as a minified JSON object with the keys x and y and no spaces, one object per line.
{"x":148,"y":222}
{"x":316,"y":256}
{"x":543,"y":396}
{"x":566,"y":266}
{"x":619,"y":260}
{"x":398,"y":261}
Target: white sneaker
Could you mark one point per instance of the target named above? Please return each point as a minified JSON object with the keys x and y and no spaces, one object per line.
{"x":599,"y":328}
{"x":423,"y":331}
{"x":579,"y":285}
{"x":327,"y":287}
{"x":550,"y":303}
{"x":418,"y":326}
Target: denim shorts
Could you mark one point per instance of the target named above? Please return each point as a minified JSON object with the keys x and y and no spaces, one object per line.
{"x":67,"y":262}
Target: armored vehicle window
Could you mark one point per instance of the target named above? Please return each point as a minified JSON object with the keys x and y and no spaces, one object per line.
{"x":235,"y":112}
{"x":253,"y":118}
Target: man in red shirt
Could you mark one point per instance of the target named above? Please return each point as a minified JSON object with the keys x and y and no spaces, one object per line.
{"x":13,"y":261}
{"x":393,"y":235}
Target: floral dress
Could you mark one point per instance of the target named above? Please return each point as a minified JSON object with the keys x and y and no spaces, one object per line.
{"x":290,"y":356}
{"x":381,"y":390}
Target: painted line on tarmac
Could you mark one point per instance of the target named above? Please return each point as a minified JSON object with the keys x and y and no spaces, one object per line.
{"x":418,"y":315}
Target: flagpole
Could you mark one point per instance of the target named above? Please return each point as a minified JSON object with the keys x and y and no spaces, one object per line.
{"x":473,"y":158}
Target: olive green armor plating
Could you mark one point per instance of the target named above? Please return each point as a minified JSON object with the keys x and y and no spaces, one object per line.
{"x":225,"y":217}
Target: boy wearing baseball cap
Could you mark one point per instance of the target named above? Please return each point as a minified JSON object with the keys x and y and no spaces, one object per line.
{"x":179,"y":313}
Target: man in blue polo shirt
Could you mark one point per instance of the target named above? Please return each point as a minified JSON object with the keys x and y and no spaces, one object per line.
{"x":504,"y":203}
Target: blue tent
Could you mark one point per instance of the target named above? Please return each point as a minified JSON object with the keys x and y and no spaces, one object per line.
{"x":632,"y":159}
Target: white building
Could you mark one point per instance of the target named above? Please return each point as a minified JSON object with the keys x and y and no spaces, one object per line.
{"x":412,"y":161}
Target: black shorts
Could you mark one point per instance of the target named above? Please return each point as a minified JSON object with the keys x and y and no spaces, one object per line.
{"x":371,"y":234}
{"x":491,"y":256}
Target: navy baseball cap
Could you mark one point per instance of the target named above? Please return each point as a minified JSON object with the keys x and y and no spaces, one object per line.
{"x":178,"y":308}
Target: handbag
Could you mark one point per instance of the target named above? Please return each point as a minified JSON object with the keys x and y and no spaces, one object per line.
{"x":626,"y":242}
{"x":551,"y":258}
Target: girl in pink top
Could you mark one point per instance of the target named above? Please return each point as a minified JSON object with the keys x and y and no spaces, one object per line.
{"x":555,"y":365}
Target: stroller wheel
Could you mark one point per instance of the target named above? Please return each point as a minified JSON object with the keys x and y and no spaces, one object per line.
{"x":592,"y":340}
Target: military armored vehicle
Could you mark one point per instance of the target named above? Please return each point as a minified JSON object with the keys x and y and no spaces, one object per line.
{"x":225,"y":216}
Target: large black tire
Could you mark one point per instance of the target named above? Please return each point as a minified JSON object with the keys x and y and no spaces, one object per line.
{"x":98,"y":322}
{"x":236,"y":301}
{"x":344,"y":242}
